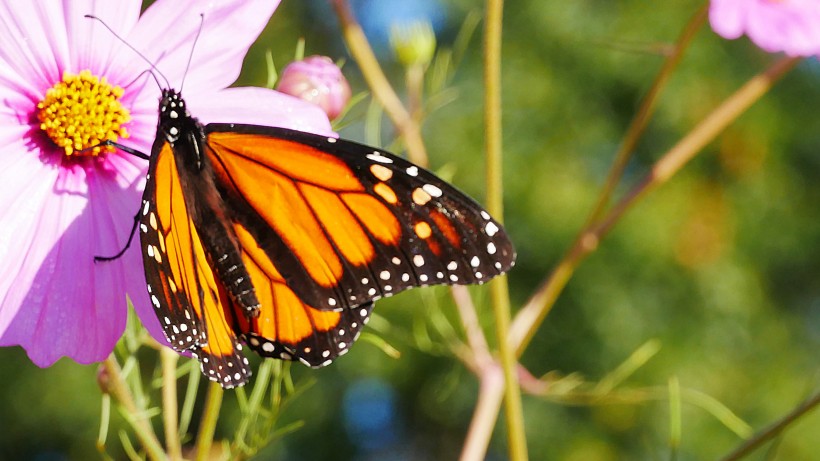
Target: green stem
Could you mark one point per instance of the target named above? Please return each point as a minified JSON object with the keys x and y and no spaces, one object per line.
{"x":644,"y":114}
{"x":529,"y":318}
{"x":170,"y":405}
{"x":583,"y":244}
{"x":363,"y":54}
{"x":117,"y":388}
{"x":774,"y":430}
{"x":499,"y":293}
{"x":414,"y":79}
{"x":205,"y":437}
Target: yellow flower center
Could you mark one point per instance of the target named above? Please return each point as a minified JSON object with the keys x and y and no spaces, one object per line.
{"x":81,"y":111}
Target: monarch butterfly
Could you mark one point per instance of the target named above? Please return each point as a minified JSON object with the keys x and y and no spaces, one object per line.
{"x":283,"y":240}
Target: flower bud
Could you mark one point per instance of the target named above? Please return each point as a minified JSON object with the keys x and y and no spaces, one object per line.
{"x":319,"y":80}
{"x":413,"y":43}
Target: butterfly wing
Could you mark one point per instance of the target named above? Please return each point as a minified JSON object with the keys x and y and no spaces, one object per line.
{"x":347,"y":224}
{"x":191,"y":306}
{"x":287,"y":328}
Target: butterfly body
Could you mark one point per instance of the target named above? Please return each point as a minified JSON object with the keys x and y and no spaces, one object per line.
{"x":282,"y":240}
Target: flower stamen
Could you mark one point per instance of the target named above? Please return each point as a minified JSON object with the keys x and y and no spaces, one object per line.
{"x":81,"y":111}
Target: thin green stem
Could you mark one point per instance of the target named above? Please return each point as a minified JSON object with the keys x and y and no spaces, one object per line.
{"x":674,"y":418}
{"x":363,"y":54}
{"x":117,"y":388}
{"x":170,"y":406}
{"x":205,"y":437}
{"x":529,"y":318}
{"x":644,"y":114}
{"x":774,"y":430}
{"x":552,"y":287}
{"x":414,"y":78}
{"x":499,"y":293}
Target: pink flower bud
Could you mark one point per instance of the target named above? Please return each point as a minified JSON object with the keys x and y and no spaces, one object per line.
{"x":319,"y":80}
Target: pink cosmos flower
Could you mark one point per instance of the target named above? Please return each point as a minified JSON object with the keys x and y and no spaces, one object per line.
{"x":790,"y":26}
{"x":66,"y":84}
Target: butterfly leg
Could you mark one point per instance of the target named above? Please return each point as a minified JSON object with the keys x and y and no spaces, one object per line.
{"x":136,"y":153}
{"x":127,"y":244}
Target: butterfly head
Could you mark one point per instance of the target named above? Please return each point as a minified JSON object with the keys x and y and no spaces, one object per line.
{"x":173,"y":114}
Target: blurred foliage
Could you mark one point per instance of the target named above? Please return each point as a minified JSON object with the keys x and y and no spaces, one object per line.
{"x":720,"y":267}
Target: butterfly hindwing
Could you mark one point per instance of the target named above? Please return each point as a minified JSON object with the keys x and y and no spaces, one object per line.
{"x":352,"y":223}
{"x":287,"y":328}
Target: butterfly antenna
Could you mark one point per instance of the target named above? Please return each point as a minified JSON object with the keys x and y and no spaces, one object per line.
{"x":153,"y":67}
{"x":191,"y":56}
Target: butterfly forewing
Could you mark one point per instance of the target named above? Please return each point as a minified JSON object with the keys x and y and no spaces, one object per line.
{"x":353,"y":224}
{"x":182,"y":286}
{"x":165,"y":236}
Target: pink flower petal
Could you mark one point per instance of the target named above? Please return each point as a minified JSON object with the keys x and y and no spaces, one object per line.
{"x":726,"y":17}
{"x":789,"y":26}
{"x":260,"y":106}
{"x":167,"y":30}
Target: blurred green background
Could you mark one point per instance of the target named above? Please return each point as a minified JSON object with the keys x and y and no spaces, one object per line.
{"x":721,"y":265}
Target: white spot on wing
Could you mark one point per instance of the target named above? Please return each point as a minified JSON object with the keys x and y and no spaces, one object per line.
{"x":491,"y":228}
{"x":376,"y":156}
{"x":491,"y":248}
{"x":432,"y":190}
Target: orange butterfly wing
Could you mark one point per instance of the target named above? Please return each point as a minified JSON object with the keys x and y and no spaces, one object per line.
{"x":287,"y":328}
{"x":347,"y":224}
{"x":190,"y":303}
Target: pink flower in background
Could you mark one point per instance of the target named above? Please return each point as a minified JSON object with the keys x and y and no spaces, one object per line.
{"x":789,"y":26}
{"x":66,"y":84}
{"x":316,"y":79}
